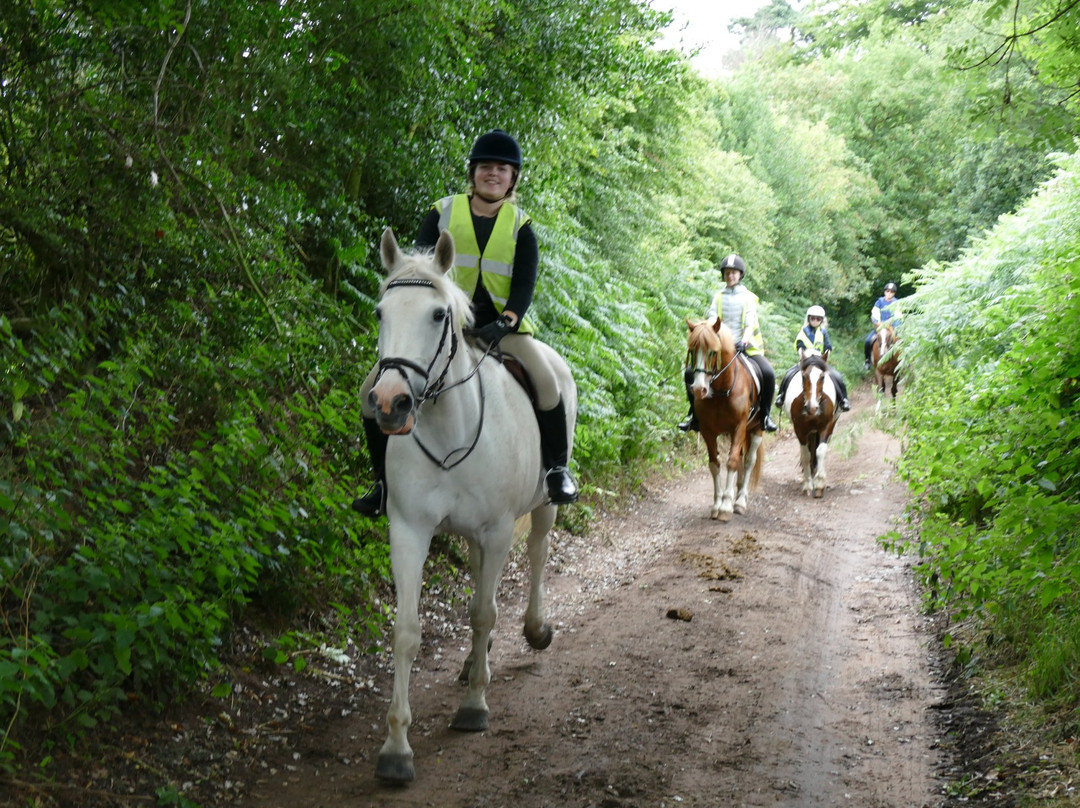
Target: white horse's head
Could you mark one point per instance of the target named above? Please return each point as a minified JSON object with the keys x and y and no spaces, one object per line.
{"x":421,"y":313}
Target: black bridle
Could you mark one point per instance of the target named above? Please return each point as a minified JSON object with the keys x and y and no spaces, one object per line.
{"x":692,"y":359}
{"x":436,"y":388}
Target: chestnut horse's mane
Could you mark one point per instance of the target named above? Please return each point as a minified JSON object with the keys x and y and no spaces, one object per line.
{"x":703,"y":334}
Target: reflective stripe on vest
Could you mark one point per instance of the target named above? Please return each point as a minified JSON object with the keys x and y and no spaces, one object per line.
{"x":732,"y":309}
{"x":818,"y":343}
{"x":497,"y":262}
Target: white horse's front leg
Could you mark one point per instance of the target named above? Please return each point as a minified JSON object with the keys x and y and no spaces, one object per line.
{"x":742,"y":500}
{"x":489,"y":557}
{"x":537,"y":631}
{"x":407,"y":553}
{"x":719,"y":481}
{"x":820,"y":480}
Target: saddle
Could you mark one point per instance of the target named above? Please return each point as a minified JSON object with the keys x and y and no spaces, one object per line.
{"x":755,"y":374}
{"x":515,"y":368}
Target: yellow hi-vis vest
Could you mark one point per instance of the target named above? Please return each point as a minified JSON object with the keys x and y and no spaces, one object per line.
{"x":496,"y":265}
{"x":803,"y":341}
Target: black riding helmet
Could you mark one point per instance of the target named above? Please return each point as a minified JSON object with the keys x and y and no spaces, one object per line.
{"x":496,"y":145}
{"x":890,"y":286}
{"x":733,"y":261}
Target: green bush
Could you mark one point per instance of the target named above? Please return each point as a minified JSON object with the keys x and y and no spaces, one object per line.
{"x":991,"y":441}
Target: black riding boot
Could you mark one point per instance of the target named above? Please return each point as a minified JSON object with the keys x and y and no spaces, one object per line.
{"x":768,"y":390}
{"x":841,"y":391}
{"x":690,"y":424}
{"x":373,"y":503}
{"x":555,"y":451}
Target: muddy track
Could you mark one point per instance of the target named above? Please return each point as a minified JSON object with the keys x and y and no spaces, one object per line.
{"x":776,"y":660}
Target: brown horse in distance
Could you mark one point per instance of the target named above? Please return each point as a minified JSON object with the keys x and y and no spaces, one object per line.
{"x":885,"y":353}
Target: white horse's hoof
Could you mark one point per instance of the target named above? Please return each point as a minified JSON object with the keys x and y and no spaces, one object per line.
{"x":395,"y":768}
{"x":724,"y":516}
{"x":539,"y":640}
{"x":740,"y":509}
{"x":470,"y":719}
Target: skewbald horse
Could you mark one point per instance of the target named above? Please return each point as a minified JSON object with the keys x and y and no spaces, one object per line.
{"x":810,"y":402}
{"x":725,"y":402}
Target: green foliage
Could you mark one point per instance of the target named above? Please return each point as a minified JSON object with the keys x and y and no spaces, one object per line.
{"x":188,"y":224}
{"x":189,"y":207}
{"x":992,"y":440}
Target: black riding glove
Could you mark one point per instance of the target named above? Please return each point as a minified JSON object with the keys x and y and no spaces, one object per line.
{"x":740,"y":347}
{"x":493,"y":331}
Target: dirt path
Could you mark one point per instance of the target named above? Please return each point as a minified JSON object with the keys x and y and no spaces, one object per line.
{"x":802,"y":677}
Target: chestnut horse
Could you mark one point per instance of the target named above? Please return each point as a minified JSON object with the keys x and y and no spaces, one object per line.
{"x":886,"y":355}
{"x":810,"y":401}
{"x":725,"y":401}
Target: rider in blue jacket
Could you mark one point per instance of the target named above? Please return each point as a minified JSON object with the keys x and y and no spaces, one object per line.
{"x":880,"y":313}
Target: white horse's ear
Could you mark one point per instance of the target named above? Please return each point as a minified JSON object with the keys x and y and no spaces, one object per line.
{"x":389,"y":249}
{"x":444,"y":251}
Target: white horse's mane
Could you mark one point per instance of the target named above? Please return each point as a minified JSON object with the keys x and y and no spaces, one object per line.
{"x":421,"y":264}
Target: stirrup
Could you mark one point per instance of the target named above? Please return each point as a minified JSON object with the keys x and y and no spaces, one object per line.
{"x":373,"y":503}
{"x":562,"y":490}
{"x":690,"y":424}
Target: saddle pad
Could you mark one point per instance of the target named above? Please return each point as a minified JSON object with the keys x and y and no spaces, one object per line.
{"x":755,"y":372}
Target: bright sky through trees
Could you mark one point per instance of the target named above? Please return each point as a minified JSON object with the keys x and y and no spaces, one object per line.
{"x":704,"y":24}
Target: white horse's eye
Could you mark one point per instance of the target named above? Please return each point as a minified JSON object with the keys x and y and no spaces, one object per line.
{"x":440,"y":315}
{"x":378,"y":313}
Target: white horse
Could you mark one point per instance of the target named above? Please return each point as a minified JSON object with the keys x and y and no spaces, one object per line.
{"x":463,"y":458}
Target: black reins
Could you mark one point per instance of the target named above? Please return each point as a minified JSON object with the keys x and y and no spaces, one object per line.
{"x":433,"y":390}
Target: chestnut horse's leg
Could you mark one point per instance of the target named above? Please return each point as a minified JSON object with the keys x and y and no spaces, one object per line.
{"x":719,"y":480}
{"x":749,"y":462}
{"x":715,"y":470}
{"x":730,"y":473}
